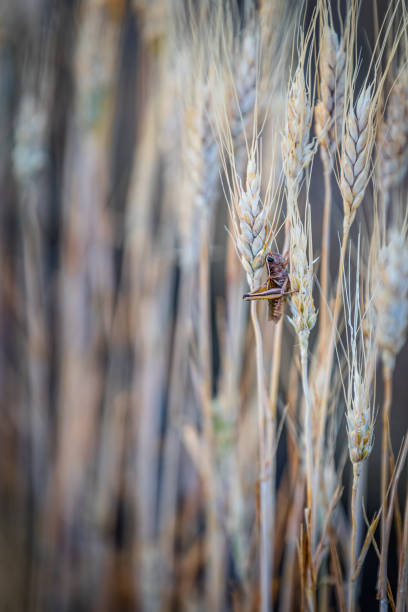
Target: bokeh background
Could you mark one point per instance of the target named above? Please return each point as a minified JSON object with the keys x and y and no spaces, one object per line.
{"x":89,"y":279}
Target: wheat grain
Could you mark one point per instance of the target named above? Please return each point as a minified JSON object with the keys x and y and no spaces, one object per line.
{"x":303,"y":313}
{"x":359,"y":420}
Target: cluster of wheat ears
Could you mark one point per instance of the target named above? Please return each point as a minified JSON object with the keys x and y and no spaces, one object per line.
{"x":185,"y":452}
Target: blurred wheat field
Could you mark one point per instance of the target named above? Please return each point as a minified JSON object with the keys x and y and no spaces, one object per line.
{"x":164,"y":443}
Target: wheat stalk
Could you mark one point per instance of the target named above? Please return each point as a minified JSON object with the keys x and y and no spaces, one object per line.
{"x":359,"y":413}
{"x":303,"y":316}
{"x":252,"y":237}
{"x":360,"y":425}
{"x":391,"y":304}
{"x":403,"y":563}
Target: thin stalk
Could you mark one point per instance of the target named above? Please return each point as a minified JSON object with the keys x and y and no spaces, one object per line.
{"x":273,"y":400}
{"x":382,"y":576}
{"x":264,"y":477}
{"x":213,"y":556}
{"x":235,"y":320}
{"x":172,"y":446}
{"x":277,"y":345}
{"x":308,"y":425}
{"x":292,"y":535}
{"x":355,"y":512}
{"x":324,"y":270}
{"x":329,"y":357}
{"x":403,"y":563}
{"x":309,"y":468}
{"x":388,"y":525}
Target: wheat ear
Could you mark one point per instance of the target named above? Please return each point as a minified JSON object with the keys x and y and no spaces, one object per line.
{"x":297,"y":151}
{"x":356,"y":155}
{"x":251,"y":225}
{"x":329,"y":109}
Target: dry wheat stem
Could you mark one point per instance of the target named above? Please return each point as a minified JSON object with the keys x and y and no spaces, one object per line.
{"x":273,"y":399}
{"x":391,"y":316}
{"x":325,"y":250}
{"x":359,"y":424}
{"x":355,"y":510}
{"x":213,"y":542}
{"x":241,"y":111}
{"x":382,"y":593}
{"x":329,"y":362}
{"x":295,"y":518}
{"x":382,"y":574}
{"x":308,"y":427}
{"x":252,"y":238}
{"x":265,"y":485}
{"x":403,"y":563}
{"x":303,"y":318}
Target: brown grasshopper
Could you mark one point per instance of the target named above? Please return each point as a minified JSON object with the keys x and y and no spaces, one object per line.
{"x":277,"y":286}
